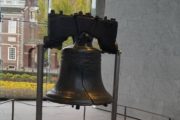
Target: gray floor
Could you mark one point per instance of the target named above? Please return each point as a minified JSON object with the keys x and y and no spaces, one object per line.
{"x":25,"y":110}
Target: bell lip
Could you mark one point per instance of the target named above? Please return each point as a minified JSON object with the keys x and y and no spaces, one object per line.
{"x":87,"y":102}
{"x":57,"y":98}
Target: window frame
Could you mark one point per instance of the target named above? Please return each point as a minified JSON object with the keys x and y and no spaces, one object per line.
{"x":9,"y":57}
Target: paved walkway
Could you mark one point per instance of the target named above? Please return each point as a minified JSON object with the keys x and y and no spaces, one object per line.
{"x":25,"y":110}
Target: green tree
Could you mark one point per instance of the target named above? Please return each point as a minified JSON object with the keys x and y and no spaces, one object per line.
{"x":71,"y":6}
{"x":42,"y":18}
{"x":67,"y":6}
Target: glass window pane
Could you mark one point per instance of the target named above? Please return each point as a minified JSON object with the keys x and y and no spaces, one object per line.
{"x":12,"y":27}
{"x":11,"y":53}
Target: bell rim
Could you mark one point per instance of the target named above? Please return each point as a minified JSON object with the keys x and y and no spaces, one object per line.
{"x":80,"y":102}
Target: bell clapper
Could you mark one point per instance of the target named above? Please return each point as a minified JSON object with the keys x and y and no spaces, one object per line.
{"x":105,"y":105}
{"x":77,"y":107}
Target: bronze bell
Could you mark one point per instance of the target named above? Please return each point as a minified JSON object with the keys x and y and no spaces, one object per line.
{"x":80,"y":81}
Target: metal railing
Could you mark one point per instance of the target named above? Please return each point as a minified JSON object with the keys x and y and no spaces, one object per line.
{"x":13,"y":101}
{"x":124,"y":114}
{"x":145,"y":111}
{"x":12,"y":111}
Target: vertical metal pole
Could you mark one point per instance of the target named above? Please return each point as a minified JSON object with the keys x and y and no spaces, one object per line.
{"x":12,"y":117}
{"x":49,"y":50}
{"x":115,"y":86}
{"x":49,"y":6}
{"x":100,"y":7}
{"x":84,"y":113}
{"x":125,"y":112}
{"x":39,"y":99}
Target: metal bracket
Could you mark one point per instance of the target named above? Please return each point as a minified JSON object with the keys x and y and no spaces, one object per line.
{"x":40,"y":64}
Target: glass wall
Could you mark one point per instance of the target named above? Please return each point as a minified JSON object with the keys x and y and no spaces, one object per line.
{"x":24,"y":24}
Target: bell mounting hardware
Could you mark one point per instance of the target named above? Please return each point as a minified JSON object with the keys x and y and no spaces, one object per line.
{"x":61,"y":26}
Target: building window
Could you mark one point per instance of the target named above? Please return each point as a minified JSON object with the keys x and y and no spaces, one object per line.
{"x":11,"y":67}
{"x":11,"y":53}
{"x":12,"y":27}
{"x":33,"y":16}
{"x":12,"y":39}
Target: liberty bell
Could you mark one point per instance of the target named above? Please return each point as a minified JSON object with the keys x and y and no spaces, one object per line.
{"x":80,"y":81}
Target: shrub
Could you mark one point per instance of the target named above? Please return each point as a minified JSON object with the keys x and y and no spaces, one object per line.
{"x":1,"y":75}
{"x":8,"y":76}
{"x":16,"y":77}
{"x":25,"y":77}
{"x":33,"y":78}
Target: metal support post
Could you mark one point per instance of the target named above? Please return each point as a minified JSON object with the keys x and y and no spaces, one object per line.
{"x":40,"y":64}
{"x":84,"y":113}
{"x":125,"y":112}
{"x":12,"y":115}
{"x":115,"y":85}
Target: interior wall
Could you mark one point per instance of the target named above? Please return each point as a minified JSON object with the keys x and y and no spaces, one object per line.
{"x":149,"y":38}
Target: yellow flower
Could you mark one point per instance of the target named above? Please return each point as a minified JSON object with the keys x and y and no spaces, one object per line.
{"x":23,"y":85}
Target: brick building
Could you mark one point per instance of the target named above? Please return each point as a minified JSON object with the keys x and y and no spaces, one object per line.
{"x":19,"y":36}
{"x":11,"y":33}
